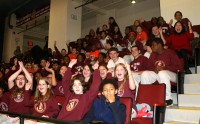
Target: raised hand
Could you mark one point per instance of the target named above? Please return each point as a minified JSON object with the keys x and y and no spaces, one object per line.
{"x":128,"y":67}
{"x":21,"y":65}
{"x":189,"y":25}
{"x":28,"y":85}
{"x":160,"y":30}
{"x":72,"y":63}
{"x":170,"y":22}
{"x":55,"y":43}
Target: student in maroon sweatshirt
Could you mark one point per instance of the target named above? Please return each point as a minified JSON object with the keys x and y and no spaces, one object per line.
{"x":44,"y":103}
{"x":78,"y":102}
{"x":58,"y":89}
{"x":78,"y":67}
{"x":4,"y":99}
{"x":162,"y":67}
{"x":16,"y":84}
{"x":139,"y":64}
{"x":125,"y":82}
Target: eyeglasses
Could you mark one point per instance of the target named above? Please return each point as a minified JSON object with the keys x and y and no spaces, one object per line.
{"x":20,"y":79}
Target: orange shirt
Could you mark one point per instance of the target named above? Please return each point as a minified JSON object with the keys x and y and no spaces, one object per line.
{"x":142,"y":37}
{"x":71,"y":56}
{"x":94,"y":54}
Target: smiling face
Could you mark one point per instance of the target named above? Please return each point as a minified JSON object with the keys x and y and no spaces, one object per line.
{"x":178,"y":16}
{"x":135,"y":52}
{"x":103,"y":72}
{"x":155,"y":31}
{"x":20,"y":81}
{"x":120,"y":72}
{"x":86,"y":71}
{"x":77,"y":87}
{"x":178,"y":27}
{"x":42,"y":87}
{"x":113,"y":55}
{"x":63,"y":69}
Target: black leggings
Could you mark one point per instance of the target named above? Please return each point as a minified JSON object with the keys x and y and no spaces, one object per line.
{"x":183,"y":54}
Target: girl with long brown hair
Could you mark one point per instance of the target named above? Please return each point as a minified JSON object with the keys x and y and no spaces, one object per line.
{"x":125,"y":82}
{"x":16,"y":84}
{"x":44,"y":102}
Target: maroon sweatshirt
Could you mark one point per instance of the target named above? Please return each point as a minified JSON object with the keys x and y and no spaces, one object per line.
{"x":58,"y":89}
{"x":49,"y":108}
{"x":139,"y":63}
{"x":168,"y":58}
{"x":77,"y":105}
{"x":18,"y":104}
{"x":78,"y":68}
{"x":4,"y":102}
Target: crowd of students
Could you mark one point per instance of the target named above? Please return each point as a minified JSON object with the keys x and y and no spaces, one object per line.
{"x":97,"y":71}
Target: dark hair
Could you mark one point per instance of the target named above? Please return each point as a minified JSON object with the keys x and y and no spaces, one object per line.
{"x":89,"y":83}
{"x":83,"y":56}
{"x":148,"y":43}
{"x":183,"y":28}
{"x":111,"y":18}
{"x":108,"y":81}
{"x":139,"y":26}
{"x":103,"y":54}
{"x":104,"y":65}
{"x":154,"y":26}
{"x":128,"y":27}
{"x":178,"y":12}
{"x":81,"y":79}
{"x":109,"y":41}
{"x":113,"y":49}
{"x":103,"y":32}
{"x":73,"y":47}
{"x":64,"y":50}
{"x":136,"y":46}
{"x":158,"y":41}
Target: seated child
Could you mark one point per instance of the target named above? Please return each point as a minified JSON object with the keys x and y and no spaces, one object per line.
{"x":107,"y":109}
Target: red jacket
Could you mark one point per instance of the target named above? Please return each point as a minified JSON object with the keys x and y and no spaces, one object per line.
{"x":182,"y":41}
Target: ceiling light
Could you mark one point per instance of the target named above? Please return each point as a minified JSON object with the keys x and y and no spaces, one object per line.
{"x":133,"y":1}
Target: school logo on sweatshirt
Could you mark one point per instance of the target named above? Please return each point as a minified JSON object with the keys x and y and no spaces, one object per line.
{"x":120,"y":92}
{"x":3,"y":106}
{"x":72,"y":104}
{"x":61,"y":90}
{"x":40,"y":107}
{"x":19,"y":98}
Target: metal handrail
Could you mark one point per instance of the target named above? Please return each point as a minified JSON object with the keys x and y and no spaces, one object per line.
{"x":23,"y":116}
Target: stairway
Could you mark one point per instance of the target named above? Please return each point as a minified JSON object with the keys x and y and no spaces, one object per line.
{"x":187,"y":109}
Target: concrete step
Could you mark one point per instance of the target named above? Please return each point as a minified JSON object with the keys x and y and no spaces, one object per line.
{"x":182,"y":114}
{"x":178,"y":122}
{"x":192,"y":88}
{"x":174,"y":98}
{"x":189,"y":100}
{"x":191,"y":78}
{"x":192,"y":69}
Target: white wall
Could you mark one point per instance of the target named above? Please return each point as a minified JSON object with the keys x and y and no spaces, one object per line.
{"x":64,"y":23}
{"x":189,"y":8}
{"x":11,"y":39}
{"x":125,"y":16}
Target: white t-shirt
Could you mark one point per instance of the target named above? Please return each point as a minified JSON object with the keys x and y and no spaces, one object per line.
{"x":112,"y":64}
{"x":103,"y":41}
